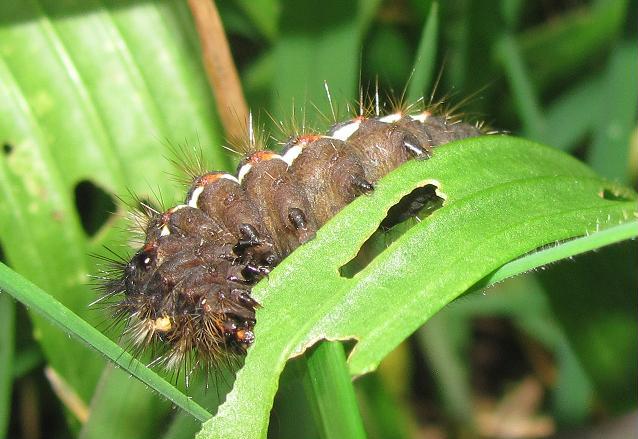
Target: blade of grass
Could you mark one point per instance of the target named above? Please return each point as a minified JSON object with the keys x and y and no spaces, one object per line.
{"x":26,"y":360}
{"x":609,"y":152}
{"x":329,"y":385}
{"x":44,"y":304}
{"x":525,"y":301}
{"x":572,"y":115}
{"x":512,"y":10}
{"x":7,"y":333}
{"x":292,"y":412}
{"x":386,"y":413}
{"x":264,"y":14}
{"x":596,"y":308}
{"x":304,"y":62}
{"x":425,"y":59}
{"x":529,"y":109}
{"x":440,"y":339}
{"x":129,"y":408}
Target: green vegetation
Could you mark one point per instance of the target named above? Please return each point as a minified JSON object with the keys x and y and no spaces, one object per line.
{"x":91,"y":93}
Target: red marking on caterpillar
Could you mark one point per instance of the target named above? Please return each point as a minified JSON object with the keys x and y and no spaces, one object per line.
{"x":188,"y":288}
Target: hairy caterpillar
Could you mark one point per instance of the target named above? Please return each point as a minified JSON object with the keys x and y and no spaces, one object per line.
{"x":188,"y":288}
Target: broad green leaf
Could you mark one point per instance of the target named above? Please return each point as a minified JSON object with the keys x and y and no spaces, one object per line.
{"x":504,"y":197}
{"x":303,"y":61}
{"x":89,"y":93}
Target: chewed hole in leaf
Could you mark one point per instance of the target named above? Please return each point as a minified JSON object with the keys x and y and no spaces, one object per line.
{"x":419,"y":203}
{"x":615,"y":194}
{"x":94,"y":206}
{"x":409,"y":211}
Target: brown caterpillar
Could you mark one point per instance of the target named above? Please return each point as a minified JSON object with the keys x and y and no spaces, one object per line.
{"x":188,"y":287}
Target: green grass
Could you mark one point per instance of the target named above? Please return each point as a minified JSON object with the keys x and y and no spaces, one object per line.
{"x":93,"y":92}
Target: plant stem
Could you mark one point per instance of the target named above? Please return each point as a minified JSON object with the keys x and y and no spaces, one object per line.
{"x":220,"y":68}
{"x":330,"y":392}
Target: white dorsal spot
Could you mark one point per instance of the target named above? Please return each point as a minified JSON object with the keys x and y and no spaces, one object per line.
{"x":243,"y":171}
{"x":230,"y":177}
{"x":292,"y":153}
{"x":164,"y":230}
{"x":178,"y":207}
{"x":391,"y":118}
{"x":205,"y":181}
{"x":421,"y":117}
{"x":344,"y":132}
{"x":261,"y":157}
{"x":192,"y":202}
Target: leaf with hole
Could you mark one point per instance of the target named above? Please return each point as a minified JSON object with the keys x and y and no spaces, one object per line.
{"x":504,"y":197}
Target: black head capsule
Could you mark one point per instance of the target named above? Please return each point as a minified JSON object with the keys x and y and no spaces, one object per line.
{"x":139,"y":270}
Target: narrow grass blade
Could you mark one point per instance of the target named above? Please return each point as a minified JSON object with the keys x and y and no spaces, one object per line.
{"x":521,"y":85}
{"x":425,"y":60}
{"x":609,"y":152}
{"x":39,"y":301}
{"x":7,"y":332}
{"x":334,"y":403}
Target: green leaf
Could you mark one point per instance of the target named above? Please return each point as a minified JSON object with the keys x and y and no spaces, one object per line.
{"x":425,"y":60}
{"x":504,"y":197}
{"x":84,"y":99}
{"x":609,"y":152}
{"x":303,"y":61}
{"x":333,"y":401}
{"x":525,"y":96}
{"x":7,"y":333}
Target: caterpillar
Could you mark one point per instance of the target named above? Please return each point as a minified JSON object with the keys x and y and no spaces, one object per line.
{"x":188,"y":288}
